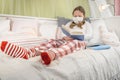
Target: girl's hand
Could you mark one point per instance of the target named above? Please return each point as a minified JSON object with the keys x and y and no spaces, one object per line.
{"x":67,"y":38}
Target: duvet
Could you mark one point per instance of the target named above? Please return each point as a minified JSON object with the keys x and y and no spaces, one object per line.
{"x":81,"y":65}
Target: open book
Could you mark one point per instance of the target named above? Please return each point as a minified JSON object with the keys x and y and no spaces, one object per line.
{"x":74,"y":34}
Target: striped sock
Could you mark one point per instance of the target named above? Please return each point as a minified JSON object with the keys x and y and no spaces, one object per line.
{"x":47,"y":57}
{"x":13,"y":50}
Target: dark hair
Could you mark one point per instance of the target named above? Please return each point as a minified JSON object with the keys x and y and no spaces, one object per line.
{"x":80,"y":8}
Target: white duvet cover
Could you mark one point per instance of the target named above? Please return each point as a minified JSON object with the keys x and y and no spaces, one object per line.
{"x":82,"y":65}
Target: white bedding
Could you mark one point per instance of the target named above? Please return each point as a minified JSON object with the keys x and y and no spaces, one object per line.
{"x":82,"y":65}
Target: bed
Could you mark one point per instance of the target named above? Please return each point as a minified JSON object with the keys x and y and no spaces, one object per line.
{"x":85,"y":64}
{"x":82,"y":65}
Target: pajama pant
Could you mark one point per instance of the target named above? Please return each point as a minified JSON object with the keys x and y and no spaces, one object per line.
{"x":59,"y":47}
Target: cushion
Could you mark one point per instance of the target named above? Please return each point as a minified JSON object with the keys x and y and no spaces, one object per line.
{"x":48,"y":29}
{"x":63,"y":21}
{"x":4,"y":25}
{"x":25,"y":25}
{"x":110,"y":38}
{"x":96,"y":39}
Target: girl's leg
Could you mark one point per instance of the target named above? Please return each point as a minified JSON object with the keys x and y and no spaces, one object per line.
{"x":68,"y":48}
{"x":14,"y":50}
{"x":36,"y":50}
{"x":20,"y":52}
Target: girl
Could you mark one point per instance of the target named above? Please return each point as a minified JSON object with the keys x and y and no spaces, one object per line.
{"x":78,"y":25}
{"x":53,"y":49}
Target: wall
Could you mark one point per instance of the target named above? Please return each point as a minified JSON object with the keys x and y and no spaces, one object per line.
{"x":42,"y":8}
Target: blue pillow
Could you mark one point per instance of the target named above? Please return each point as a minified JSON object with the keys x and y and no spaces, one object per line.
{"x":62,"y":21}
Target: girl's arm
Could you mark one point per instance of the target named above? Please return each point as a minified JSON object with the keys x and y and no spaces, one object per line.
{"x":89,"y":31}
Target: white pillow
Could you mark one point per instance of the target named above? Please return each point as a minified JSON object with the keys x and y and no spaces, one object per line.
{"x":109,"y":38}
{"x":4,"y":25}
{"x":96,"y":39}
{"x":48,"y":30}
{"x":25,"y":25}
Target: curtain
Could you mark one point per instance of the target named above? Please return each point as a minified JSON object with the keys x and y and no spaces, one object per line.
{"x":94,"y":9}
{"x":96,"y":12}
{"x":117,"y":7}
{"x":42,"y":8}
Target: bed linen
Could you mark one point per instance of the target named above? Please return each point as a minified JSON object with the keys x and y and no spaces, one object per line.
{"x":82,"y":65}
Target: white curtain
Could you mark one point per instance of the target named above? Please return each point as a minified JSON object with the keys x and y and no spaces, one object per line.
{"x":95,"y":6}
{"x":93,"y":9}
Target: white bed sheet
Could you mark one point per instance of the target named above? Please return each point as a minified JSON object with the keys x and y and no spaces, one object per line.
{"x":82,"y":65}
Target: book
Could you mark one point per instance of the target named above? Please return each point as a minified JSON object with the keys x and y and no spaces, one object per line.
{"x":100,"y":47}
{"x":75,"y":35}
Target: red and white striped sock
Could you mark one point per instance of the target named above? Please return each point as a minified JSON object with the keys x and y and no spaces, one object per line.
{"x":47,"y":57}
{"x":13,"y":50}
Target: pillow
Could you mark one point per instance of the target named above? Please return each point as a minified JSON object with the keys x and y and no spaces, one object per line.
{"x":25,"y":25}
{"x":96,"y":38}
{"x":63,"y":21}
{"x":110,"y":38}
{"x":48,"y":29}
{"x":4,"y":25}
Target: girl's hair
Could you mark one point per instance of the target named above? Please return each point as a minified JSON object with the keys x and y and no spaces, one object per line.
{"x":79,"y":25}
{"x":80,"y":8}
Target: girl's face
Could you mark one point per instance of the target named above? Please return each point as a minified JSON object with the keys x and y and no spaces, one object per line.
{"x":78,"y":13}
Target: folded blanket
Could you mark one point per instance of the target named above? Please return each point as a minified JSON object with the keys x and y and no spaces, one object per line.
{"x":100,"y":47}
